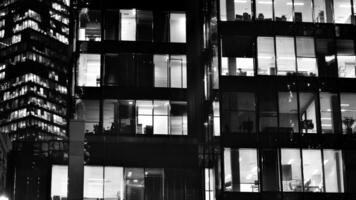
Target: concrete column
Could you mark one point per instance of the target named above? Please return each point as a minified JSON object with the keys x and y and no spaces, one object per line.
{"x":76,"y":160}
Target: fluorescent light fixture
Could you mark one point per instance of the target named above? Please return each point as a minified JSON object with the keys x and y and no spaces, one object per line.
{"x":345,"y":104}
{"x":240,"y":1}
{"x":264,"y":2}
{"x":344,"y":5}
{"x":296,"y":4}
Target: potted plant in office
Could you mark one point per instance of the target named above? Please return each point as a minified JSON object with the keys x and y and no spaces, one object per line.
{"x":348,"y":122}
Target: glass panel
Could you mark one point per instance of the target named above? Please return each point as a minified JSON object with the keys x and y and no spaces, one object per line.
{"x":110,"y":109}
{"x":288,"y":112}
{"x":268,"y":112}
{"x":330,"y":113}
{"x":89,"y":70}
{"x":127,"y":117}
{"x":93,"y":182}
{"x":342,"y":11}
{"x":111,"y":25}
{"x":346,"y":59}
{"x":216,"y":114}
{"x":114,"y":183}
{"x":306,"y":60}
{"x":283,"y":10}
{"x":89,"y":25}
{"x":323,"y":11}
{"x":59,"y":182}
{"x":89,"y":112}
{"x":144,"y":25}
{"x":178,"y":118}
{"x":209,"y":184}
{"x":307,"y":106}
{"x":160,"y":120}
{"x":303,"y":11}
{"x":144,"y":70}
{"x":291,"y":170}
{"x":144,"y":117}
{"x":135,"y":183}
{"x":264,"y":10}
{"x":348,"y":112}
{"x":178,"y":71}
{"x":241,"y":170}
{"x":266,"y":59}
{"x":326,"y":57}
{"x":270,"y":170}
{"x":128,"y":24}
{"x":243,"y":9}
{"x":333,"y":166}
{"x":177,"y":27}
{"x":161,"y":70}
{"x":312,"y":170}
{"x":285,"y":55}
{"x":154,"y":184}
{"x":239,"y":112}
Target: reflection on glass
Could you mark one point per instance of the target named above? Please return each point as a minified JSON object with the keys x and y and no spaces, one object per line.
{"x":209,"y":184}
{"x":333,"y":166}
{"x":288,"y":112}
{"x":178,"y":71}
{"x":264,"y":10}
{"x":89,"y":70}
{"x":312,"y":171}
{"x":323,"y":11}
{"x":265,"y":53}
{"x":161,"y":70}
{"x":177,"y":27}
{"x":170,"y":71}
{"x":144,"y":30}
{"x":285,"y":55}
{"x":329,"y":110}
{"x":346,"y":59}
{"x":128,"y":24}
{"x":89,"y":25}
{"x":178,"y":118}
{"x":342,"y":11}
{"x":134,"y":184}
{"x":291,"y":170}
{"x":216,"y":115}
{"x":239,"y":112}
{"x":307,"y":106}
{"x":303,"y":11}
{"x":283,"y":10}
{"x":241,"y":170}
{"x":306,"y":61}
{"x":348,"y":112}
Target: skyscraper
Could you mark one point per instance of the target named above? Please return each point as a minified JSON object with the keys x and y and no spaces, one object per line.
{"x":34,"y":55}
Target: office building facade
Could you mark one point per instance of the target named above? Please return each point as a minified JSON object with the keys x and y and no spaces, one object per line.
{"x":138,"y":93}
{"x":282,"y":102}
{"x":34,"y":68}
